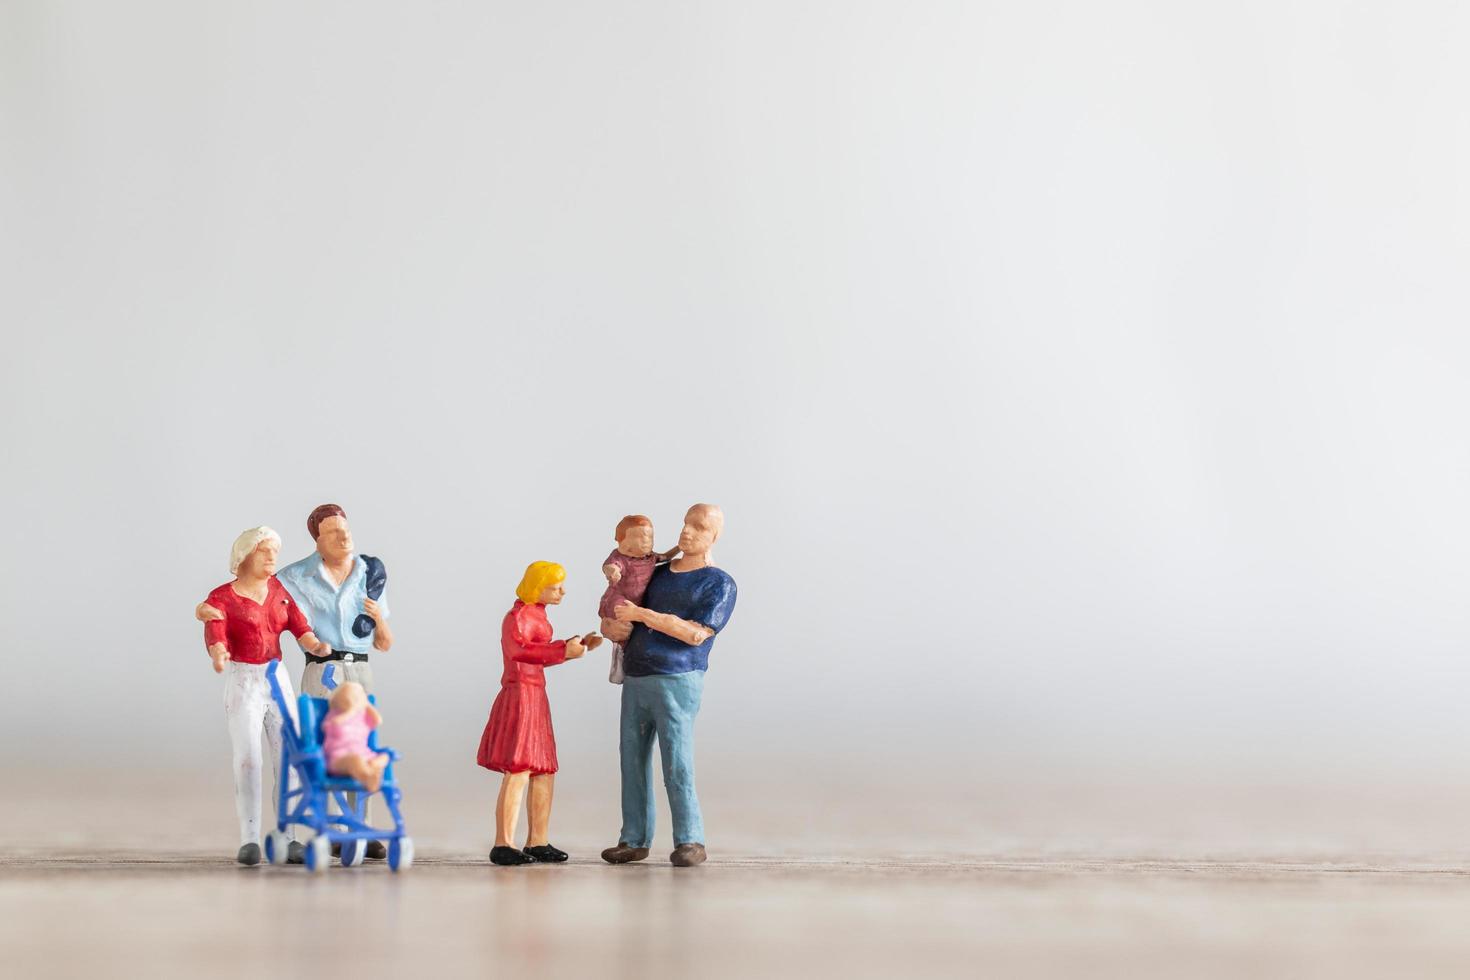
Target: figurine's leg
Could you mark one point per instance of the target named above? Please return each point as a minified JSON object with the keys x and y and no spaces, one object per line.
{"x":311,"y":681}
{"x":245,"y":714}
{"x":373,"y":767}
{"x":273,"y":722}
{"x":369,"y":772}
{"x":615,"y":673}
{"x":635,"y":748}
{"x":677,"y":710}
{"x":508,"y":806}
{"x":362,"y":674}
{"x":538,"y":809}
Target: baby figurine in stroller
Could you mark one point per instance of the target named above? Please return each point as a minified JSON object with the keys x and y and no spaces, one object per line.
{"x":345,"y":733}
{"x":335,"y":767}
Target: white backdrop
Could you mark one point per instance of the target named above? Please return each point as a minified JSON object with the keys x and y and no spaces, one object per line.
{"x":1084,"y":383}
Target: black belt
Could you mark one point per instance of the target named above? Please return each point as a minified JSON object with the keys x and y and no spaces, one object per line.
{"x":336,"y":655}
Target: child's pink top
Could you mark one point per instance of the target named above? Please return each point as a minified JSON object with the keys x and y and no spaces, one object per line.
{"x":629,"y":588}
{"x":346,"y":734}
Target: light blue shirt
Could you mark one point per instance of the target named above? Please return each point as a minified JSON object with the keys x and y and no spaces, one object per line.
{"x":331,"y":610}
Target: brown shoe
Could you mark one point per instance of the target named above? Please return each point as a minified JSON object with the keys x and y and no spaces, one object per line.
{"x":687,"y":855}
{"x":622,"y":854}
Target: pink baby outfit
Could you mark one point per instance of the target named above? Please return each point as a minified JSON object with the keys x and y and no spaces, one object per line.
{"x":346,"y":734}
{"x":629,"y":588}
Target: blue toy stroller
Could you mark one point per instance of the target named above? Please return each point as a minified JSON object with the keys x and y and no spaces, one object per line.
{"x":304,"y":799}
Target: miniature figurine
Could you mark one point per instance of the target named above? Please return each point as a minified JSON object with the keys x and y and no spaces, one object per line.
{"x":628,"y":569}
{"x":666,"y":647}
{"x":344,"y":596}
{"x":518,"y":740}
{"x":345,"y":737}
{"x":317,"y":800}
{"x":242,"y":640}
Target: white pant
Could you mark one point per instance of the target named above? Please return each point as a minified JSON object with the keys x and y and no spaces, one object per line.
{"x":250,"y":712}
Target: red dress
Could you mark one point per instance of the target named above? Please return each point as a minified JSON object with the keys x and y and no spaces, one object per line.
{"x":518,"y":736}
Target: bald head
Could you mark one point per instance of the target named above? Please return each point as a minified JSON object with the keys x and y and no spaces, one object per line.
{"x":709,"y":514}
{"x":702,"y":525}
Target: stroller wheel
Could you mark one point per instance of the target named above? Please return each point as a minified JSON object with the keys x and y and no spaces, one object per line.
{"x":277,"y":847}
{"x":353,"y":852}
{"x":400,"y":853}
{"x":318,"y":854}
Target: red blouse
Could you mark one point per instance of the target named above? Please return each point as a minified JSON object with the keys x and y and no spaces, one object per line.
{"x":251,"y":631}
{"x":525,"y":640}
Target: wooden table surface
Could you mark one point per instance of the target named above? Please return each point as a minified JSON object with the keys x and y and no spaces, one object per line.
{"x":108,"y":882}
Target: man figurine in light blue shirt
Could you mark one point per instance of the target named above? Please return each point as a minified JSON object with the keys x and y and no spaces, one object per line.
{"x":335,"y":588}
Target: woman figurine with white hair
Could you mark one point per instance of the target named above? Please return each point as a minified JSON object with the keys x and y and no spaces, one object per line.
{"x":242,"y":644}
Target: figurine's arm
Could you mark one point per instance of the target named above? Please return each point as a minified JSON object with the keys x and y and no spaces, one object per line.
{"x":669,"y":555}
{"x":382,"y":635}
{"x":204,"y":612}
{"x":309,"y":641}
{"x":219,"y":654}
{"x":579,"y":645}
{"x":545,"y":654}
{"x":680,"y":629}
{"x":373,"y":718}
{"x":215,"y":642}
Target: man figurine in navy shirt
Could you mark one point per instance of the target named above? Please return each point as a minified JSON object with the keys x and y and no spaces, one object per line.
{"x":666,"y":645}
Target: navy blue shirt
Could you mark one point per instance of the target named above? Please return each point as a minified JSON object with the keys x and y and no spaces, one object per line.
{"x":704,"y":595}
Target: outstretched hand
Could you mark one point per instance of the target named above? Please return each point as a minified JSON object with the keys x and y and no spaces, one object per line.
{"x":592,"y":641}
{"x":575,"y":648}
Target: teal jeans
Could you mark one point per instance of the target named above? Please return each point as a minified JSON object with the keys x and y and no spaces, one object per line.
{"x":662,"y":705}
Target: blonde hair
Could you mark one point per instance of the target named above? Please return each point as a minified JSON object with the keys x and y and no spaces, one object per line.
{"x":247,"y":542}
{"x":539,"y":576}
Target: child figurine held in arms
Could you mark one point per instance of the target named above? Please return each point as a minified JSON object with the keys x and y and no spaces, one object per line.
{"x":628,"y":570}
{"x":345,"y":737}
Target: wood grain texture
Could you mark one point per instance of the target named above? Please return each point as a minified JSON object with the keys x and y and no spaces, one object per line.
{"x":98,"y":879}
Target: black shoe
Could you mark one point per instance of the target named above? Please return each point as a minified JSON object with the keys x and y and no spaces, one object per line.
{"x":295,"y":852}
{"x":546,"y":854}
{"x":336,"y":850}
{"x":509,"y":856}
{"x":248,"y":855}
{"x":376,"y":850}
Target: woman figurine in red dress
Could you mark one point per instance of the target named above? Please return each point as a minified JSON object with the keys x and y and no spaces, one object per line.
{"x":518,"y":739}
